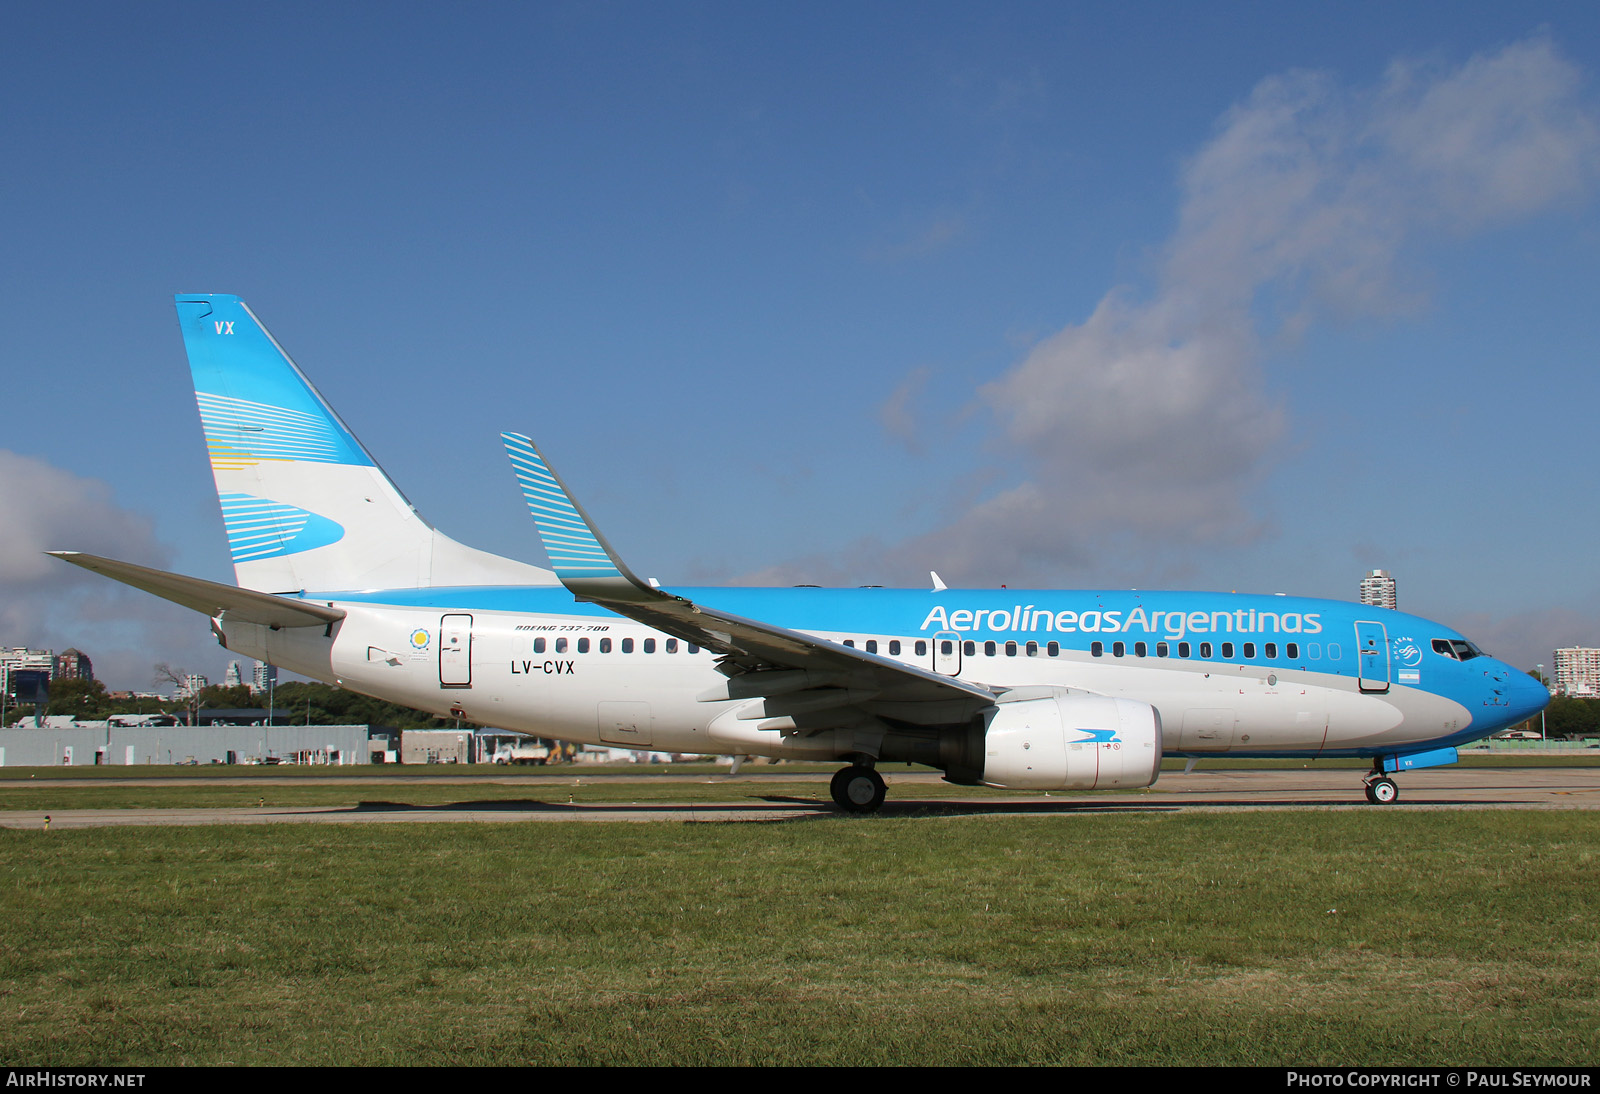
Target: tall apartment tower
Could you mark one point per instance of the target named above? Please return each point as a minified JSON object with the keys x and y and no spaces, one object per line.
{"x":1377,"y":589}
{"x":232,"y":679}
{"x":1577,"y":670}
{"x":73,"y":665}
{"x":265,"y":676}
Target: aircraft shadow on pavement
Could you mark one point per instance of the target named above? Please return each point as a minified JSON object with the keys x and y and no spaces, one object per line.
{"x":817,"y":808}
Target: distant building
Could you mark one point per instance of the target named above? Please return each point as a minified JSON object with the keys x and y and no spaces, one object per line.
{"x":193,"y":684}
{"x":70,"y":665}
{"x":232,"y":679}
{"x":73,"y":665}
{"x":17,"y":658}
{"x":265,"y":677}
{"x":18,"y":664}
{"x":1577,"y":670}
{"x":1378,"y":589}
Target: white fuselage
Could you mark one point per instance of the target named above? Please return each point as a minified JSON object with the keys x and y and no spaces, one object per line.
{"x":547,"y":675}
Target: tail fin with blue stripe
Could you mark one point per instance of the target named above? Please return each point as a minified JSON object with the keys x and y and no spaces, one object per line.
{"x":305,"y":506}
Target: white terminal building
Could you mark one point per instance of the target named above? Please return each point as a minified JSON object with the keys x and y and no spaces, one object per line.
{"x":1378,"y":589}
{"x":1577,"y":671}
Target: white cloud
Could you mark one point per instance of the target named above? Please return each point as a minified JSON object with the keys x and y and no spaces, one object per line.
{"x":920,"y":240}
{"x":1148,"y":423}
{"x":898,"y":413}
{"x":46,"y":603}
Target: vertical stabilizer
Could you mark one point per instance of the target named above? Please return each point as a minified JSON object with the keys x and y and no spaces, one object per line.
{"x":306,"y":508}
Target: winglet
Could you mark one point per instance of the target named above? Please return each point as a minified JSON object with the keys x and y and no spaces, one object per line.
{"x":580,"y":555}
{"x":938,"y":582}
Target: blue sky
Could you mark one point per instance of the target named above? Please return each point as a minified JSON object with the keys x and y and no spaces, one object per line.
{"x":1249,"y":296}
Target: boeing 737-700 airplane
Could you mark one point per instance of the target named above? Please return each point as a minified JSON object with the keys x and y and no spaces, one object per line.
{"x":341,"y":580}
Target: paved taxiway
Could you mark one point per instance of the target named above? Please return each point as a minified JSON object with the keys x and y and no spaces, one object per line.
{"x":1461,"y":788}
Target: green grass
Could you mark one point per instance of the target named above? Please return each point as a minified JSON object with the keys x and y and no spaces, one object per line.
{"x":1319,"y":937}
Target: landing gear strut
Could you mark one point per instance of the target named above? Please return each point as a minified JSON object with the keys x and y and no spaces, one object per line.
{"x":1381,"y":790}
{"x":857,"y":789}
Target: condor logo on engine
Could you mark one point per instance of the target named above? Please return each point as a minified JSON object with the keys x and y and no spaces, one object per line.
{"x":1098,"y":736}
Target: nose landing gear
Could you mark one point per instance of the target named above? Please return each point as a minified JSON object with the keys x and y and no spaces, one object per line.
{"x":1381,"y":790}
{"x":857,"y":789}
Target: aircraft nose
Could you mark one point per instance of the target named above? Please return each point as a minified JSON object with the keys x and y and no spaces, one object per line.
{"x":1524,"y":695}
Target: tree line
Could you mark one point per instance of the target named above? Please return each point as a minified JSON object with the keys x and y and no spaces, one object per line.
{"x":318,"y":704}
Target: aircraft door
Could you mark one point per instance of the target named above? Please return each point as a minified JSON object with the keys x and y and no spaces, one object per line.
{"x":1207,"y":730}
{"x":455,"y":651}
{"x":625,"y":723}
{"x":1372,"y":647}
{"x":947,"y":653}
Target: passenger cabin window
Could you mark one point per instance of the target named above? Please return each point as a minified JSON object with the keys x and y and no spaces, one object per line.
{"x":1205,"y":651}
{"x":894,"y":647}
{"x":583,"y":645}
{"x":1118,"y":649}
{"x":1011,"y":649}
{"x":1053,"y":649}
{"x":851,"y":642}
{"x":1293,"y":650}
{"x":969,"y":648}
{"x":988,"y":649}
{"x":1097,"y":649}
{"x":1249,"y":649}
{"x":649,"y":645}
{"x":538,"y":645}
{"x":1161,"y":649}
{"x":605,"y":645}
{"x":627,"y":645}
{"x":1272,"y":649}
{"x":1140,"y":649}
{"x":946,"y":647}
{"x":872,"y":645}
{"x":672,"y":645}
{"x":1032,"y":649}
{"x":1183,"y":649}
{"x":1227,"y":651}
{"x":921,"y":648}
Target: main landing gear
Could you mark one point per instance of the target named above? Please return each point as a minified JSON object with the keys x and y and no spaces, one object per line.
{"x":1381,"y":790}
{"x":857,"y":789}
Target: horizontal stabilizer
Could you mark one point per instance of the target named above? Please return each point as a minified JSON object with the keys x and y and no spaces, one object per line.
{"x":210,"y":598}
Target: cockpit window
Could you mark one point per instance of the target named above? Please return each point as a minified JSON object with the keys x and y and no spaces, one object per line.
{"x":1457,"y":648}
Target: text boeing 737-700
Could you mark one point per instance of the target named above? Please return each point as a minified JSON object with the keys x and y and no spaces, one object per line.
{"x":341,"y":580}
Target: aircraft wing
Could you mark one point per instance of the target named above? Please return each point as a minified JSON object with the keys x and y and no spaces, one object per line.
{"x":208,"y":597}
{"x":798,"y":680}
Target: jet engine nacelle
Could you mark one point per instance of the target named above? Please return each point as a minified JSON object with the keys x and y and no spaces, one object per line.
{"x":1062,"y":740}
